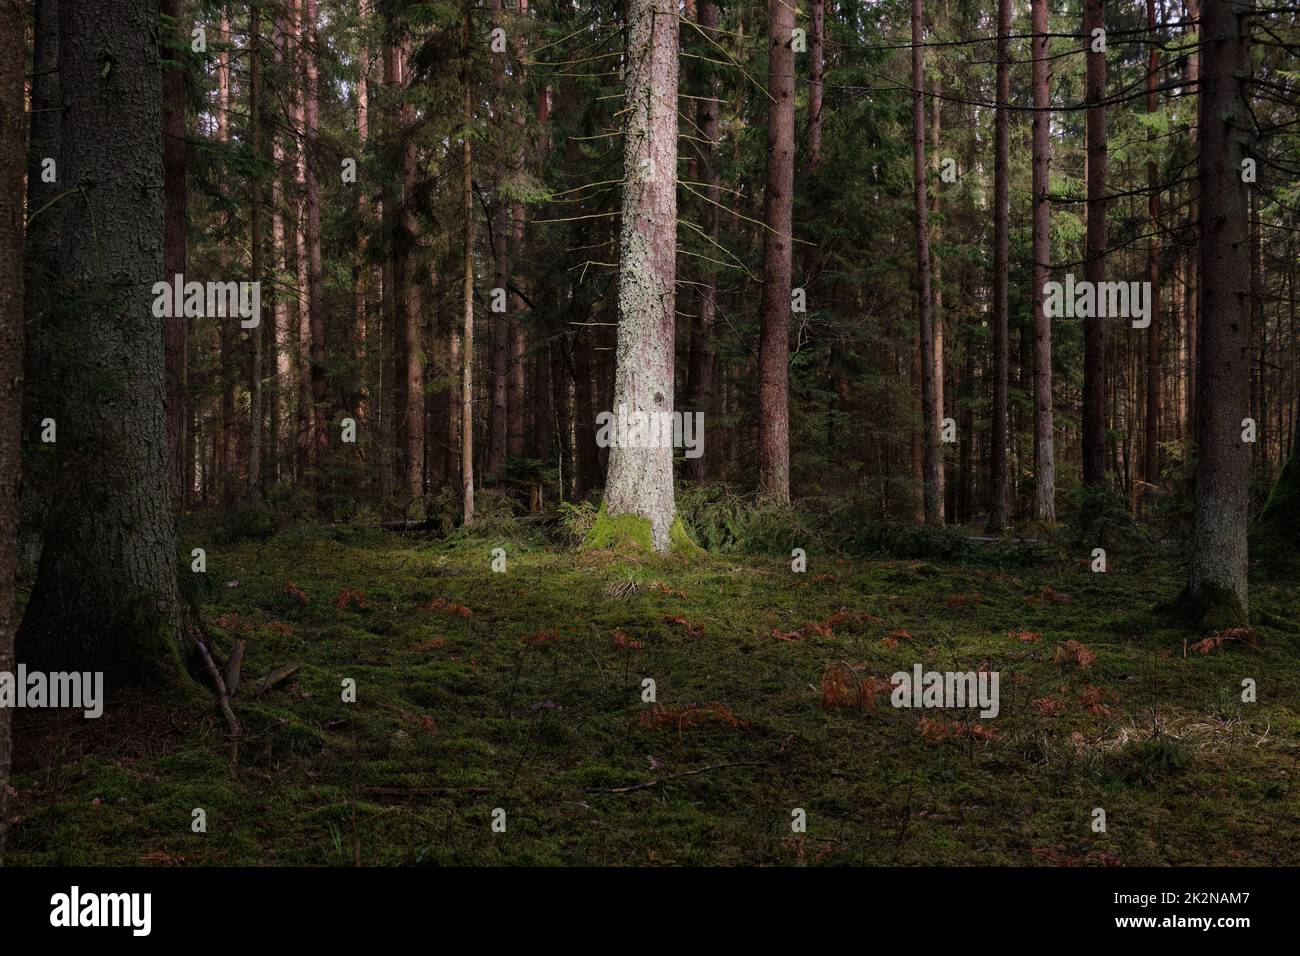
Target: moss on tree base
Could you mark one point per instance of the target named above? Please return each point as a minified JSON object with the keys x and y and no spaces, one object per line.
{"x":633,"y":533}
{"x":1211,"y":609}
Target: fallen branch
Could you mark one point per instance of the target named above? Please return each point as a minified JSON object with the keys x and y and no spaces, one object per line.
{"x":233,"y":667}
{"x":223,"y":698}
{"x":273,"y":678}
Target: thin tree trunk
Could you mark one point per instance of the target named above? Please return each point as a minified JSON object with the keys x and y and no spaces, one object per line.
{"x":467,"y":362}
{"x":543,"y":426}
{"x":700,"y":372}
{"x":1151,"y":460}
{"x":41,"y":359}
{"x":255,"y":253}
{"x":1194,"y":218}
{"x":778,"y":205}
{"x":816,"y":65}
{"x":1094,"y":327}
{"x":175,"y":328}
{"x":931,"y":403}
{"x":228,"y":468}
{"x":13,"y":151}
{"x":315,"y":346}
{"x":998,"y":510}
{"x":410,"y":373}
{"x":1044,"y":450}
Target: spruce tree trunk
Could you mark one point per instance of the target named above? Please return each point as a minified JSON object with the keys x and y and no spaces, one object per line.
{"x":1094,"y":327}
{"x":175,"y":328}
{"x":256,"y":227}
{"x":106,"y":593}
{"x":1151,"y":459}
{"x":640,"y":479}
{"x":542,"y":436}
{"x":467,"y":346}
{"x":410,"y":373}
{"x":1217,"y":585}
{"x":778,"y":198}
{"x":931,"y":400}
{"x":1044,"y":439}
{"x":998,"y":509}
{"x":13,"y":150}
{"x":41,"y":361}
{"x":700,"y":372}
{"x":315,"y":326}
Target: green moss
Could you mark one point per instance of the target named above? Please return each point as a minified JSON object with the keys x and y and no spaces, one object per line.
{"x":619,"y":532}
{"x":459,"y":714}
{"x":681,"y":541}
{"x":632,"y":532}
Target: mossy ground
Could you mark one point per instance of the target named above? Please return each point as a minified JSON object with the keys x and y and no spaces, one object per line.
{"x":529,"y":703}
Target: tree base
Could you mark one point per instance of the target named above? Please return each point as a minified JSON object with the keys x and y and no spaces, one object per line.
{"x":633,"y":533}
{"x":1213,"y":609}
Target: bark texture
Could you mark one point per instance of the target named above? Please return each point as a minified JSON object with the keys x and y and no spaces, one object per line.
{"x":778,"y":198}
{"x":1044,"y":439}
{"x":105,"y":597}
{"x":13,"y":136}
{"x":1217,"y":584}
{"x":640,"y":479}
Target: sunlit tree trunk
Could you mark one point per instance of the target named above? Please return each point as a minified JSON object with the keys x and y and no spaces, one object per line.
{"x":640,"y":479}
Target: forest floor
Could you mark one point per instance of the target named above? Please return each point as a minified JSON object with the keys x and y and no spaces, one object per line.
{"x":522,"y":690}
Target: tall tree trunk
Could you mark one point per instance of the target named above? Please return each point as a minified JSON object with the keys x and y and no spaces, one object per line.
{"x":1094,"y":327}
{"x":315,"y":293}
{"x":255,"y":252}
{"x":175,"y":328}
{"x":640,"y":479}
{"x":1044,"y":450}
{"x":1151,"y":460}
{"x":360,"y":265}
{"x":931,"y":402}
{"x":778,"y":205}
{"x":1194,"y":218}
{"x":515,"y":384}
{"x":699,"y":373}
{"x":542,"y":435}
{"x":13,"y":151}
{"x":1217,"y":585}
{"x":410,"y":371}
{"x":998,"y":510}
{"x":228,"y":468}
{"x":106,"y":595}
{"x":41,"y":360}
{"x":816,"y":65}
{"x":467,"y":346}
